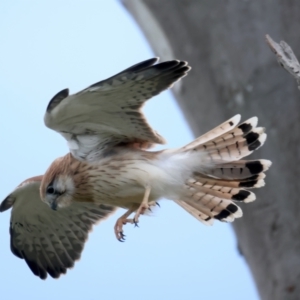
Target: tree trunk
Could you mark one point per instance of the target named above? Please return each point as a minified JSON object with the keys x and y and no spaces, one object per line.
{"x":235,"y":72}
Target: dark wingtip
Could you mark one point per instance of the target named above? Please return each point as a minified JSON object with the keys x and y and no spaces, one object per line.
{"x":142,"y":65}
{"x":7,"y":203}
{"x":36,"y":269}
{"x":135,"y":68}
{"x":57,"y":99}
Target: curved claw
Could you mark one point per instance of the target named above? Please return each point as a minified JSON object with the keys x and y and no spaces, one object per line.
{"x":122,"y":237}
{"x":157,"y":204}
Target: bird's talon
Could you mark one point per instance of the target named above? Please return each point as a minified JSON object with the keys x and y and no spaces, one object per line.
{"x":157,"y":204}
{"x":122,"y":236}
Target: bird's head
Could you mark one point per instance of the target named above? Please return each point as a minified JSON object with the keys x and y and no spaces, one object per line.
{"x":57,"y":187}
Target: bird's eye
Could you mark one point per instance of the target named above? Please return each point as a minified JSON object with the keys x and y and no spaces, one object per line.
{"x":50,"y":190}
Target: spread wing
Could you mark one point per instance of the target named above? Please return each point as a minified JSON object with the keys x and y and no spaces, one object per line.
{"x":49,"y":241}
{"x":108,"y":113}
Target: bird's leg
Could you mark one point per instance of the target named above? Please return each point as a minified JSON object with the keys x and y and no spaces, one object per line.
{"x":123,"y":221}
{"x":144,"y":205}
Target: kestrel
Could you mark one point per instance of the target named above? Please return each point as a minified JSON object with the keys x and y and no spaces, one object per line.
{"x":109,"y":165}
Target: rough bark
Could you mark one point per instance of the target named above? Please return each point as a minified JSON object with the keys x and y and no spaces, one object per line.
{"x":235,"y":72}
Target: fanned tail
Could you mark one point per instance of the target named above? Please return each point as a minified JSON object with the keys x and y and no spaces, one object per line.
{"x":223,"y":179}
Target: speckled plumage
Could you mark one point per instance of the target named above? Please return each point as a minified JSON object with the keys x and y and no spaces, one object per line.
{"x":109,"y":165}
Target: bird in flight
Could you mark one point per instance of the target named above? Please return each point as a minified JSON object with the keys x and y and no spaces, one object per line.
{"x":110,"y":165}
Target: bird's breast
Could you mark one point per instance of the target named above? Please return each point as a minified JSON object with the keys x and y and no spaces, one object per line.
{"x":122,"y":180}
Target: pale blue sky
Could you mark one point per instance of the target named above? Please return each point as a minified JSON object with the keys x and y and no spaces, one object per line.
{"x":47,"y":46}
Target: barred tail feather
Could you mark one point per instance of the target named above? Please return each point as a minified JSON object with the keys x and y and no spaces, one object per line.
{"x":223,"y":179}
{"x":199,"y":215}
{"x":242,"y":169}
{"x":214,"y":133}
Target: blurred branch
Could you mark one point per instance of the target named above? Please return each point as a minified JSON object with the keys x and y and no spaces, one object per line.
{"x":285,"y":57}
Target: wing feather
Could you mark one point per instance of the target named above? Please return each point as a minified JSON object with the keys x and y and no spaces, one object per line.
{"x":49,"y":241}
{"x":108,"y":113}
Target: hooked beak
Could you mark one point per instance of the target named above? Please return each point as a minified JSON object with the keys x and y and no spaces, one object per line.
{"x":54,"y":205}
